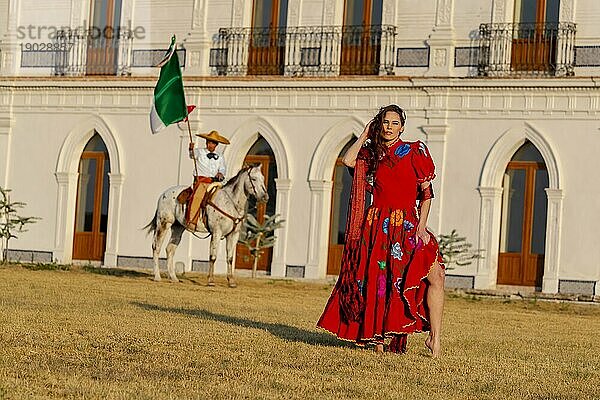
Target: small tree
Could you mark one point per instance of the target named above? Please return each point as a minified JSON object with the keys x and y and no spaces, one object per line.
{"x":456,"y":250}
{"x":10,"y":222}
{"x":258,"y":237}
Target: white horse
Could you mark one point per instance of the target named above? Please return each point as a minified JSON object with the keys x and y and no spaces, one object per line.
{"x":225,"y":214}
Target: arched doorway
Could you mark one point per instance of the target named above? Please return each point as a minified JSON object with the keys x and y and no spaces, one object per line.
{"x":260,"y":153}
{"x":91,"y":210}
{"x":340,"y":194}
{"x":523,"y":223}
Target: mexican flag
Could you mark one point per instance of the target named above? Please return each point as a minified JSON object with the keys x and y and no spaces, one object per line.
{"x":169,"y":100}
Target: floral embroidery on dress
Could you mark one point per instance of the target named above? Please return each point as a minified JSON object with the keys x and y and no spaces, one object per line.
{"x":372,"y":215}
{"x":385,"y":225}
{"x":408,"y":225}
{"x":381,"y":285}
{"x":381,"y":264}
{"x":422,"y":148}
{"x":396,"y":251}
{"x":402,"y":150}
{"x":415,"y":243}
{"x":398,"y":285}
{"x":397,"y":217}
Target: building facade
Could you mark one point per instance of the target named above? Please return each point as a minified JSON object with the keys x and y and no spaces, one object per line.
{"x":504,"y":93}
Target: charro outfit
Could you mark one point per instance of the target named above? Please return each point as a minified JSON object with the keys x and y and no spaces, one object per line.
{"x":381,"y":288}
{"x":208,"y":165}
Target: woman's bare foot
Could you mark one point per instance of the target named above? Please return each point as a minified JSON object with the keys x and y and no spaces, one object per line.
{"x":434,"y":346}
{"x":379,"y":348}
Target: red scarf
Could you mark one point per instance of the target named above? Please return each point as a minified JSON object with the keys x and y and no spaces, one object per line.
{"x":351,"y":299}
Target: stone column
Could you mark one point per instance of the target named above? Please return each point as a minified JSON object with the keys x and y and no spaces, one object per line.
{"x":10,"y":51}
{"x":282,"y":207}
{"x":6,"y":125}
{"x":198,"y":43}
{"x":436,"y":142}
{"x":320,"y":205}
{"x":114,"y":221}
{"x":553,"y":242}
{"x":441,"y":41}
{"x":65,"y":216}
{"x":489,"y":236}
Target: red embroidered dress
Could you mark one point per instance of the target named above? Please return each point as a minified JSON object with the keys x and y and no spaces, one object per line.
{"x":380,"y":291}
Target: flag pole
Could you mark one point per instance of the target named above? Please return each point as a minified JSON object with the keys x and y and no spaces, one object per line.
{"x":191,"y":142}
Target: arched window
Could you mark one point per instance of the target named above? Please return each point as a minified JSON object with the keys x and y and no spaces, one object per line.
{"x":340,"y":195}
{"x":91,"y":212}
{"x":260,"y":153}
{"x":523,"y":224}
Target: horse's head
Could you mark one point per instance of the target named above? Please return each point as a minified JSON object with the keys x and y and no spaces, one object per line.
{"x":255,"y":184}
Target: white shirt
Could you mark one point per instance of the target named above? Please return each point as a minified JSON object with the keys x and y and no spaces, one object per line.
{"x":209,"y":166}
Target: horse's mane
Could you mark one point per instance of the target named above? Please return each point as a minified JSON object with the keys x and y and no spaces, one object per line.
{"x":234,"y":179}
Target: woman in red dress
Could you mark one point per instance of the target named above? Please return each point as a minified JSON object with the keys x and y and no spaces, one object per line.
{"x":391,"y":280}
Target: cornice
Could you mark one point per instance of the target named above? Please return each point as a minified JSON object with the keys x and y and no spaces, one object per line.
{"x":307,"y":84}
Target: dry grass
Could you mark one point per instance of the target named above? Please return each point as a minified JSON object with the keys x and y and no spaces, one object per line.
{"x":76,"y":334}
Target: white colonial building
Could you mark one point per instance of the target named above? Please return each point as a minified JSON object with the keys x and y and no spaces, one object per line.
{"x":504,"y":92}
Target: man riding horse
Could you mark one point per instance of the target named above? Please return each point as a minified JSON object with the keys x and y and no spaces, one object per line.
{"x":210,"y":168}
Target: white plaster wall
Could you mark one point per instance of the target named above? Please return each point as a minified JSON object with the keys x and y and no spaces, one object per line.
{"x":468,"y":15}
{"x":414,"y":21}
{"x":587,"y":14}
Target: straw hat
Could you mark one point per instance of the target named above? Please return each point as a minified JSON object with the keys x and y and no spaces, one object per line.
{"x":214,"y":136}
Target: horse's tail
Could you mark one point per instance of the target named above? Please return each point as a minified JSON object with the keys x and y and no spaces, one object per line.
{"x":151,"y":227}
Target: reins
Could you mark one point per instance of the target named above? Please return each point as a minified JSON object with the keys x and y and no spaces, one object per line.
{"x":236,"y":220}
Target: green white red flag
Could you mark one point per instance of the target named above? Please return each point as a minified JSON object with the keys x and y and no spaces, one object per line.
{"x":169,"y":98}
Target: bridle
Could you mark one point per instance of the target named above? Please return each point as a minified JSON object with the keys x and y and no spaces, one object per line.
{"x":236,"y":220}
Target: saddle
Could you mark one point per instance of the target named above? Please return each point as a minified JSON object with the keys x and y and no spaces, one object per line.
{"x":194,"y":199}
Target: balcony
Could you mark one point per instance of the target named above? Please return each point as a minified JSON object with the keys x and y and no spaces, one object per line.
{"x":511,"y":49}
{"x":304,"y":51}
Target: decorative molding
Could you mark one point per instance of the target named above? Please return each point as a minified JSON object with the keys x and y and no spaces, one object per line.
{"x":320,"y":206}
{"x":443,"y":16}
{"x":66,"y":177}
{"x":567,"y":11}
{"x":490,"y":191}
{"x":389,"y":12}
{"x":238,"y":13}
{"x":293,"y":18}
{"x":499,"y":11}
{"x":329,"y":12}
{"x":329,"y":147}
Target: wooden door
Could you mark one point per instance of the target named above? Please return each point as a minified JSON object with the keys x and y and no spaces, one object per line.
{"x":91,"y":214}
{"x":243,"y":258}
{"x":266,"y":52}
{"x":103,"y":39}
{"x":342,"y":183}
{"x":361,"y":37}
{"x":534,"y":39}
{"x":523,"y":232}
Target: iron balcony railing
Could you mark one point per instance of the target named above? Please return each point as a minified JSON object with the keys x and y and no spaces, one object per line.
{"x":304,"y":51}
{"x":86,"y":52}
{"x":522,"y":49}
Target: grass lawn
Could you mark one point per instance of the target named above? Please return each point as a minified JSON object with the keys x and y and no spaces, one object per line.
{"x":79,"y":334}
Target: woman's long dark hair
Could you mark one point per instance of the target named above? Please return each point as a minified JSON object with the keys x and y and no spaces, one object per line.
{"x":376,"y":145}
